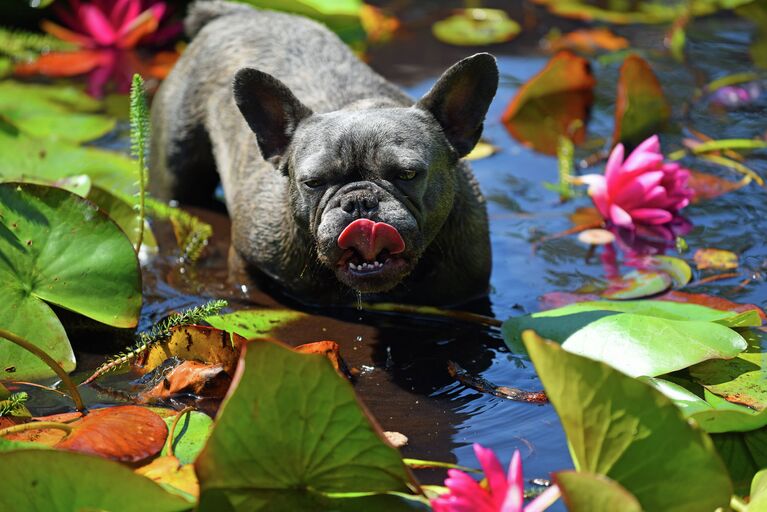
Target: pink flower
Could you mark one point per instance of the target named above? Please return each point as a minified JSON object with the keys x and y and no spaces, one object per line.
{"x":642,"y":190}
{"x":501,"y":494}
{"x":118,"y":24}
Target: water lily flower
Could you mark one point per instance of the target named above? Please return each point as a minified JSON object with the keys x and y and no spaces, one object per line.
{"x":643,"y":190}
{"x":502,"y":493}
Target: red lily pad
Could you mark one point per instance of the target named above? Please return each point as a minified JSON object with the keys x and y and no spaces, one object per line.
{"x":554,"y":103}
{"x":641,"y":108}
{"x":125,"y":433}
{"x":712,"y":302}
{"x":716,"y":259}
{"x":707,"y":186}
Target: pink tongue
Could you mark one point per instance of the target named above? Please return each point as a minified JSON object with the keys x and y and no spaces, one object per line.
{"x":370,"y":238}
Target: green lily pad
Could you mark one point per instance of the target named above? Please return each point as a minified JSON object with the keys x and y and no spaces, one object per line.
{"x":740,"y":380}
{"x":6,"y":445}
{"x":624,"y":429}
{"x":218,"y":500}
{"x":637,"y":284}
{"x":678,"y":270}
{"x":588,"y":492}
{"x":744,"y":454}
{"x":58,"y":480}
{"x":192,"y":431}
{"x":23,"y":157}
{"x":293,"y":424}
{"x":124,"y":214}
{"x":758,"y":495}
{"x":58,"y":247}
{"x":475,"y":27}
{"x":253,"y":323}
{"x":52,"y":112}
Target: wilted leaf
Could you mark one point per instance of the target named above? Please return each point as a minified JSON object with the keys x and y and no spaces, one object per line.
{"x":588,"y":40}
{"x":637,"y":284}
{"x":590,"y":492}
{"x":555,"y":102}
{"x":596,"y":237}
{"x":37,"y":480}
{"x":186,"y":378}
{"x":481,"y":150}
{"x":59,"y":248}
{"x":169,"y":471}
{"x":641,"y":109}
{"x":707,"y":186}
{"x":476,"y":27}
{"x":125,"y":433}
{"x":329,"y":349}
{"x":586,"y":216}
{"x":311,"y":435}
{"x":616,"y":425}
{"x":717,"y":259}
{"x":379,"y":27}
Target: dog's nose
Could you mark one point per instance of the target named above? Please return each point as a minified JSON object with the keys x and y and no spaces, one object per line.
{"x":361,"y":203}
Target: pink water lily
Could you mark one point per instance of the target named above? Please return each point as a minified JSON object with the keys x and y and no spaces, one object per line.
{"x":503,"y":493}
{"x":642,"y":190}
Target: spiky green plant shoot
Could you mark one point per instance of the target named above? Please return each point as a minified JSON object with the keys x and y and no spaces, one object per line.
{"x":157,"y":334}
{"x":139,"y":137}
{"x":13,"y":403}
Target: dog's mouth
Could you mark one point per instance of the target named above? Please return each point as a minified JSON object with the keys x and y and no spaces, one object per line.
{"x":372,"y":259}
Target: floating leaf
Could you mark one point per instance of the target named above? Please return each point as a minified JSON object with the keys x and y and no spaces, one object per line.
{"x":676,"y":268}
{"x":555,"y":102}
{"x":58,"y":480}
{"x":637,"y":284}
{"x":254,"y":323}
{"x":586,"y":216}
{"x":481,"y":150}
{"x":59,"y":248}
{"x":744,"y":453}
{"x":124,"y":214}
{"x":192,"y":431}
{"x":717,"y":259}
{"x":124,"y":433}
{"x":176,"y":377}
{"x":476,"y":27}
{"x":615,"y":425}
{"x":758,"y":495}
{"x":740,"y":380}
{"x":379,"y":27}
{"x":169,"y":472}
{"x":596,"y":237}
{"x":590,"y":492}
{"x":311,"y":435}
{"x":641,"y":109}
{"x":707,"y":186}
{"x":588,"y":40}
{"x":711,"y":301}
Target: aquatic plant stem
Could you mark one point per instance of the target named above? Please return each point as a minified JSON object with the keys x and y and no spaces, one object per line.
{"x":168,"y":449}
{"x":737,"y":504}
{"x":35,"y":425}
{"x":52,"y":364}
{"x":139,"y":133}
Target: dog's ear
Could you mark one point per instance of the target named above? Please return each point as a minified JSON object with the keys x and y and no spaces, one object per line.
{"x":270,"y":108}
{"x":460,"y":99}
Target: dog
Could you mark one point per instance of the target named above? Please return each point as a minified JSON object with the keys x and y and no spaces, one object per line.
{"x":337,"y":183}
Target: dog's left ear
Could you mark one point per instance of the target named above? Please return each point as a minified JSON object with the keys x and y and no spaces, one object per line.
{"x":460,"y":99}
{"x":270,"y":108}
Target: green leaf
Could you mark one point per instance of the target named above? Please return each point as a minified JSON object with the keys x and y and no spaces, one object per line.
{"x":637,"y":284}
{"x":293,"y":424}
{"x":758,"y":494}
{"x":52,"y":112}
{"x":192,"y":431}
{"x":218,"y":500}
{"x":588,"y":492}
{"x":718,"y":145}
{"x":624,"y":429}
{"x":22,"y":157}
{"x":58,"y":247}
{"x":6,"y":445}
{"x":254,"y":323}
{"x":645,"y":345}
{"x":58,"y":480}
{"x":476,"y":27}
{"x":741,"y":380}
{"x":124,"y":214}
{"x":744,"y":453}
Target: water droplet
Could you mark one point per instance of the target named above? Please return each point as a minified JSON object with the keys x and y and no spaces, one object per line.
{"x":359,"y":301}
{"x":244,"y":288}
{"x":358,"y":339}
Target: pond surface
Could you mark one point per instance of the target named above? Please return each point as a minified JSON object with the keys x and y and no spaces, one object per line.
{"x":403,"y":359}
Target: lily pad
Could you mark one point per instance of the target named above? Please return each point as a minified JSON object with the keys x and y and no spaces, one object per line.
{"x":475,"y":27}
{"x":716,"y":259}
{"x":292,"y":424}
{"x":254,"y":323}
{"x":637,"y":284}
{"x":124,"y":215}
{"x":588,"y":492}
{"x":554,"y":103}
{"x":740,"y":380}
{"x":624,"y":429}
{"x":641,"y":108}
{"x":59,"y":248}
{"x":192,"y":431}
{"x":57,"y":480}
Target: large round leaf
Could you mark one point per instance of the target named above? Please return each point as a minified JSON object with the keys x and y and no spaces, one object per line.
{"x":292,"y":423}
{"x":622,"y":428}
{"x":58,"y":247}
{"x":36,"y":480}
{"x":587,"y":492}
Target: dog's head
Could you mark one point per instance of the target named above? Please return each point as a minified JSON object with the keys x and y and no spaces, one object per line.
{"x":372,"y":185}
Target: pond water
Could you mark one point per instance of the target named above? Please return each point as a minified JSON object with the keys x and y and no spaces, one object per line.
{"x":403,"y":359}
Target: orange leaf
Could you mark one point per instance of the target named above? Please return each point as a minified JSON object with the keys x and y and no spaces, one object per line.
{"x":192,"y":377}
{"x":329,"y":349}
{"x":555,"y":102}
{"x":641,"y":108}
{"x":708,"y":186}
{"x":711,"y":301}
{"x":169,"y":471}
{"x":62,"y":64}
{"x":589,"y":41}
{"x":717,"y":259}
{"x":126,"y":433}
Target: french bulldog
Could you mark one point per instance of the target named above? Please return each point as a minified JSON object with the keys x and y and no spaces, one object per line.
{"x":337,"y":183}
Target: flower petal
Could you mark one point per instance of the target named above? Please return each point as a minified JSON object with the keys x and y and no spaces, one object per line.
{"x":651,"y":215}
{"x":97,"y":25}
{"x":515,"y":496}
{"x":614,"y":164}
{"x":620,"y":217}
{"x":494,"y":473}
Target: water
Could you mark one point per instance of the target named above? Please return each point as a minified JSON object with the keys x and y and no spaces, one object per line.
{"x":403,"y":360}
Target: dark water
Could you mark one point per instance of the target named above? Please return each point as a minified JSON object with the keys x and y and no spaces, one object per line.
{"x":404,"y":379}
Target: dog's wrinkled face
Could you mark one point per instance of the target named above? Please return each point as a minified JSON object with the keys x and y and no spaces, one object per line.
{"x":371,"y":185}
{"x":373,"y":188}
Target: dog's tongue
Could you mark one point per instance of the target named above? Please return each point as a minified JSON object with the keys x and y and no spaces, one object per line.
{"x":370,"y":238}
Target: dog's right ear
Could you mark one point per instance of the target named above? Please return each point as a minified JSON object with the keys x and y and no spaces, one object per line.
{"x":270,"y":108}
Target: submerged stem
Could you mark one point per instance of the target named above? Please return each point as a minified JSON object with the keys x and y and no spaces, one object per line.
{"x":52,"y":364}
{"x":35,"y":425}
{"x":172,"y":430}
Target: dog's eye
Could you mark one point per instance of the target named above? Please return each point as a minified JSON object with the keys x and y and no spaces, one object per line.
{"x":314,"y":183}
{"x":406,"y":175}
